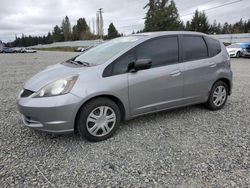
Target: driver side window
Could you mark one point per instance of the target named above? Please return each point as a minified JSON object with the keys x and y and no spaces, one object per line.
{"x":161,"y":50}
{"x":120,"y":65}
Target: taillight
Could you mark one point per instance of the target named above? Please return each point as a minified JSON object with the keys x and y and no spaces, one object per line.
{"x":228,"y":61}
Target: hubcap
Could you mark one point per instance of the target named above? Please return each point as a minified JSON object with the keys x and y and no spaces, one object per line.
{"x":219,"y":96}
{"x":101,"y":121}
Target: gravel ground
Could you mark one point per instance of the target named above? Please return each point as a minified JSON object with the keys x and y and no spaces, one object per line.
{"x":187,"y":147}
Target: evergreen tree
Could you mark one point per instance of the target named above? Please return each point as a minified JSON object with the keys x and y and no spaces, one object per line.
{"x":225,"y":28}
{"x":58,"y":34}
{"x":66,"y":28}
{"x":81,"y":30}
{"x":199,"y":22}
{"x":112,"y":32}
{"x":49,"y":38}
{"x":188,"y":27}
{"x":162,"y":15}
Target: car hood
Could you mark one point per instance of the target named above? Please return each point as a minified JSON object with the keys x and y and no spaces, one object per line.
{"x":53,"y":73}
{"x":233,"y":49}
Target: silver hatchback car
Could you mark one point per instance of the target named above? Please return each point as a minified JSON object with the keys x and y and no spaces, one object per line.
{"x":124,"y":78}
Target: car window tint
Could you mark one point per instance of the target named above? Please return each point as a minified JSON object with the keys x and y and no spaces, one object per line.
{"x":194,"y":48}
{"x":120,"y":66}
{"x":214,"y":46}
{"x":162,"y":51}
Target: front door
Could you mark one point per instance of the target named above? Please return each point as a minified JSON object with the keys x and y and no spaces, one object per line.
{"x":161,"y":86}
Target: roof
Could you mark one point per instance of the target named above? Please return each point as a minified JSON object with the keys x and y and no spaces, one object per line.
{"x":159,"y":33}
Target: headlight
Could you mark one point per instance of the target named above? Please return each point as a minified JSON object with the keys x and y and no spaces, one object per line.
{"x":58,"y":87}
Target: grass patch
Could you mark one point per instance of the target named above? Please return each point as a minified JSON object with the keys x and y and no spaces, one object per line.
{"x":60,"y":49}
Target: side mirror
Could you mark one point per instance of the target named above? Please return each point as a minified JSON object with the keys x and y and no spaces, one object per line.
{"x":140,"y":64}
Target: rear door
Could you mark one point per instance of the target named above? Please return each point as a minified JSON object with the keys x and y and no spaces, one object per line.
{"x":199,"y":68}
{"x":161,"y":86}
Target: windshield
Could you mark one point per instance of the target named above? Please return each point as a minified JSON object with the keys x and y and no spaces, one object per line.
{"x":103,"y":52}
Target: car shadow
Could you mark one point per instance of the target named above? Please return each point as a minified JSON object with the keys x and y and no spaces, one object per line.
{"x":157,"y":116}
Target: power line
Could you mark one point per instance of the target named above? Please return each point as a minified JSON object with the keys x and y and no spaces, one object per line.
{"x":208,"y":9}
{"x":196,"y":5}
{"x":214,"y":7}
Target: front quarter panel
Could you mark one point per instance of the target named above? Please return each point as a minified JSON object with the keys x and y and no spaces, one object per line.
{"x":92,"y":85}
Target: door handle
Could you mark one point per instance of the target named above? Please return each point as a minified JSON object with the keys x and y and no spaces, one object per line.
{"x":175,"y":73}
{"x":212,"y":65}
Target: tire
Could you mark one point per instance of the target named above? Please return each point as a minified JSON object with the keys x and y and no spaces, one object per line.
{"x":238,"y":55}
{"x":98,"y":119}
{"x":221,"y":97}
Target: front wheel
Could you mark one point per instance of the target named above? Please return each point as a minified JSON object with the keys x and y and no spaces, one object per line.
{"x":218,"y":96}
{"x":98,"y":119}
{"x":238,"y":55}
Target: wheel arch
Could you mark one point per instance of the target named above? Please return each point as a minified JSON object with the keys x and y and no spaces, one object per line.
{"x":226,"y":81}
{"x":113,"y":98}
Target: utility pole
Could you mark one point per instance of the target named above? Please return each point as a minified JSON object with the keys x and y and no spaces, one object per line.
{"x":99,"y":22}
{"x":93,"y":25}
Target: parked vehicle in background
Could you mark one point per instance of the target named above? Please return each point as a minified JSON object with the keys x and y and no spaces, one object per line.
{"x":1,"y":46}
{"x":226,"y":43}
{"x":124,"y":78}
{"x":17,"y":50}
{"x":28,"y":50}
{"x":8,"y":50}
{"x":79,"y":49}
{"x":235,"y":50}
{"x":246,"y":51}
{"x":83,"y":49}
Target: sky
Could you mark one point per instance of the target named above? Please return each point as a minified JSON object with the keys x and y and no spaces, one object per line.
{"x":36,"y":18}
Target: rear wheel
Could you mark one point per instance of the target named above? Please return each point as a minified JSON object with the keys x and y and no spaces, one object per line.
{"x":98,"y":119}
{"x":218,"y":96}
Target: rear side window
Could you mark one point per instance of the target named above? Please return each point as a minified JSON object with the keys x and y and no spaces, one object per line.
{"x":214,"y":46}
{"x":194,"y":48}
{"x":162,"y":51}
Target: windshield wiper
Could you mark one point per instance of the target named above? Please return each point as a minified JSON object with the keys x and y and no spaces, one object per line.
{"x":83,"y":63}
{"x":79,"y":63}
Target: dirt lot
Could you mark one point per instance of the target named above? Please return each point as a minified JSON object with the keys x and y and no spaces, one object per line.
{"x":187,"y":147}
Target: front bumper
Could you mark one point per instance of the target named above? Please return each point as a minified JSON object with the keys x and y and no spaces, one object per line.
{"x":232,"y":54}
{"x":245,"y":54}
{"x":50,"y":114}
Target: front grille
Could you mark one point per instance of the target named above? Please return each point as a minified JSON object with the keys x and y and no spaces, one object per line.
{"x":26,"y":93}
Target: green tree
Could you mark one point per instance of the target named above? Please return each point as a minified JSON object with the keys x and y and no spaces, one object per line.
{"x":81,"y":30}
{"x":162,"y":15}
{"x":66,"y":28}
{"x":199,"y":22}
{"x":57,"y":34}
{"x":238,"y":27}
{"x":49,"y":38}
{"x":112,"y":32}
{"x":215,"y":28}
{"x":225,"y":28}
{"x":188,"y":27}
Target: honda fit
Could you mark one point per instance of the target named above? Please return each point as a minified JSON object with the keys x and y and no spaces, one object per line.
{"x":124,"y":78}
